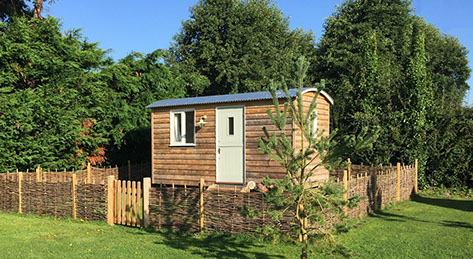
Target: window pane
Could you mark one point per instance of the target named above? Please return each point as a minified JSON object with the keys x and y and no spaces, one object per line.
{"x":231,"y":126}
{"x":315,"y":123}
{"x":190,"y":127}
{"x":177,"y":127}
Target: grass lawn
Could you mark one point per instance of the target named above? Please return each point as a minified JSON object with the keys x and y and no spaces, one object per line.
{"x":429,"y":227}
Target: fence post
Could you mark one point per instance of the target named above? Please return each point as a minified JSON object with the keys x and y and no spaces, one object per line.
{"x":345,"y":186}
{"x":89,"y":173}
{"x":129,"y":170}
{"x":398,"y":181}
{"x":349,"y":168}
{"x":146,"y":187}
{"x":375,"y":189}
{"x":201,"y":205}
{"x":38,"y":177}
{"x":417,"y":176}
{"x":110,"y":199}
{"x":20,"y":178}
{"x":74,"y":207}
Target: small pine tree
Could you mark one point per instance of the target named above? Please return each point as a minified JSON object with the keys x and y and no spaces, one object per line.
{"x":316,"y":206}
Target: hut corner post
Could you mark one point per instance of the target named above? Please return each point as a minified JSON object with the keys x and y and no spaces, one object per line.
{"x":111,"y":199}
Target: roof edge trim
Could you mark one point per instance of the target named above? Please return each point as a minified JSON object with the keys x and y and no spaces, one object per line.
{"x":325,"y":94}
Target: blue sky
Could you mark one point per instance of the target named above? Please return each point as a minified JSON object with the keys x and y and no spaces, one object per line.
{"x":146,"y":25}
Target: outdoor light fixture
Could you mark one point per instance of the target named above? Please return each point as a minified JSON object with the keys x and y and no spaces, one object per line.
{"x":202,"y":122}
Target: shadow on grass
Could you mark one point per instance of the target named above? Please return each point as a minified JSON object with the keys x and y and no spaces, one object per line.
{"x":463,"y":205}
{"x":457,"y":224}
{"x":217,"y":245}
{"x":214,"y":245}
{"x":395,"y":217}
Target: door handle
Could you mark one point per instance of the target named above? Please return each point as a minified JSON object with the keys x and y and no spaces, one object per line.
{"x":219,"y":151}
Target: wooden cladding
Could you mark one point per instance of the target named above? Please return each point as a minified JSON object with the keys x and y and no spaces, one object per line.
{"x":186,"y":165}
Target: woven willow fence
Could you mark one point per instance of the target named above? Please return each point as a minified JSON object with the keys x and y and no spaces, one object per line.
{"x":78,"y":194}
{"x":196,"y":209}
{"x":88,"y":194}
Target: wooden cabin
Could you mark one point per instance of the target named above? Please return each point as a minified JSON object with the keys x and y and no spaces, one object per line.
{"x":215,"y":137}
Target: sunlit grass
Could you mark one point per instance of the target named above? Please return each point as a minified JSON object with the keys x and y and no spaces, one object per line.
{"x":429,"y":227}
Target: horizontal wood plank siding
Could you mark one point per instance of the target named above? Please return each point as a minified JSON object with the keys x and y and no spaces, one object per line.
{"x":187,"y":165}
{"x":183,"y":165}
{"x":258,"y":165}
{"x":323,"y":124}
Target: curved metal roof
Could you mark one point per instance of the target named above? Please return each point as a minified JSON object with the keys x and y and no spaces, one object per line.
{"x":228,"y":98}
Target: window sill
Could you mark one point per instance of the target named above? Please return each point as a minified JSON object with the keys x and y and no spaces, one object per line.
{"x":182,"y":145}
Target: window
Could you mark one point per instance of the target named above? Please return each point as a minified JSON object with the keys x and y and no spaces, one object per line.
{"x":314,"y":125}
{"x":231,"y":126}
{"x":183,"y":127}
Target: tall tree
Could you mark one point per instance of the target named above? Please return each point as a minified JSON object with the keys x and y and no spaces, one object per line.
{"x":50,"y":97}
{"x":22,"y":8}
{"x":238,"y":46}
{"x":387,"y":67}
{"x":312,"y":204}
{"x":136,"y":81}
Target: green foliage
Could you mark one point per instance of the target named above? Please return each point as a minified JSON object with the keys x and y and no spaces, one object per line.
{"x":232,"y":46}
{"x":63,"y":102}
{"x":450,"y":161}
{"x":49,"y":96}
{"x":388,"y":68}
{"x":316,"y":207}
{"x":136,"y":81}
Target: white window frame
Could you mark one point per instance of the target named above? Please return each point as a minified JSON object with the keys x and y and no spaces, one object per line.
{"x":314,"y":125}
{"x":182,"y":143}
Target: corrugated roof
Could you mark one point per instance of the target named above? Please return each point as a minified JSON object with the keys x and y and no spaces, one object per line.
{"x":228,"y":98}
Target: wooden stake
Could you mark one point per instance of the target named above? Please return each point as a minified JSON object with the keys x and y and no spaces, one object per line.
{"x":119,"y":203}
{"x":146,"y":189}
{"x":133,"y":204}
{"x":201,"y":205}
{"x":129,"y":170}
{"x":345,"y":185}
{"x":110,"y":199}
{"x":139,"y":205}
{"x":349,"y":168}
{"x":38,"y":177}
{"x":123,"y":202}
{"x":417,"y":176}
{"x":398,"y":181}
{"x":375,"y":189}
{"x":20,"y":178}
{"x":74,"y":205}
{"x":88,"y":173}
{"x":128,"y":198}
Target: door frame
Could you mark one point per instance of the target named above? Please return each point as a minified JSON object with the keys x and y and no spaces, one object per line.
{"x":244,"y":143}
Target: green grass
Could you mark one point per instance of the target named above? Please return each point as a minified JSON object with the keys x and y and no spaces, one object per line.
{"x":39,"y":237}
{"x":429,"y":227}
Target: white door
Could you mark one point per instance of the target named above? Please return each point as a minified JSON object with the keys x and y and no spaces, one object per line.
{"x":230,"y":145}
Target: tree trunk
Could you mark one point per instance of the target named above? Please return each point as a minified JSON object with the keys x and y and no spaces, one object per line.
{"x":38,"y":7}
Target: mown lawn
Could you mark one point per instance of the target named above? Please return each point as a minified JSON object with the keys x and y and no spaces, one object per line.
{"x":428,"y":227}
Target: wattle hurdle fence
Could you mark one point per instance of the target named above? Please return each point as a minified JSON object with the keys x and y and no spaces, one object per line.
{"x":97,"y":194}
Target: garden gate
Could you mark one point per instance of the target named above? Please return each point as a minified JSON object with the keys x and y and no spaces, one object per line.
{"x":128,"y":202}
